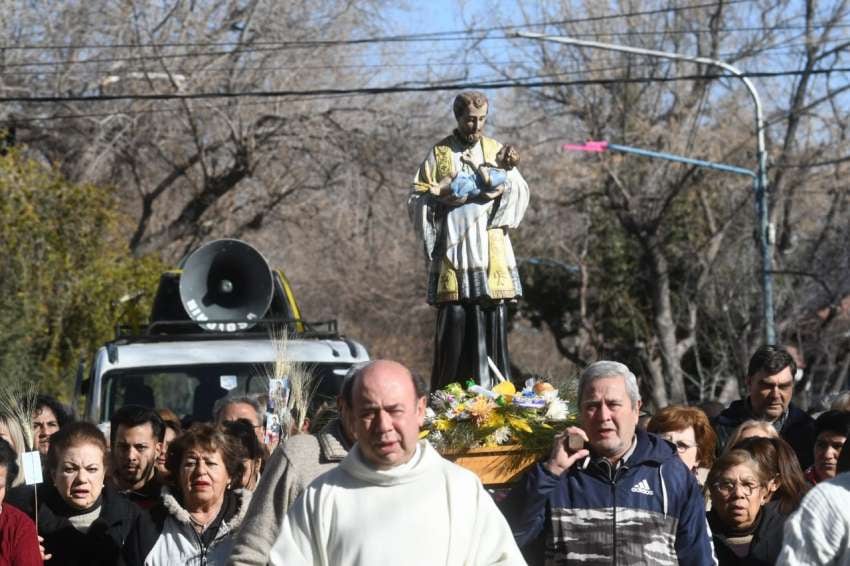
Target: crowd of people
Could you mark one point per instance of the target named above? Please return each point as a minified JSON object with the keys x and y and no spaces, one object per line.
{"x":759,"y":483}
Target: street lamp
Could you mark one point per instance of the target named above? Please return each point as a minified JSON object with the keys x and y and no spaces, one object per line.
{"x":764,"y":232}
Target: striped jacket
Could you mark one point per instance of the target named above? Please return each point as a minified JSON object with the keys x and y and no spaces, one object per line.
{"x":647,"y":511}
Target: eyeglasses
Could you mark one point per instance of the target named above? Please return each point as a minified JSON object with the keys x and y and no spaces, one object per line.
{"x":727,"y":487}
{"x":681,"y":445}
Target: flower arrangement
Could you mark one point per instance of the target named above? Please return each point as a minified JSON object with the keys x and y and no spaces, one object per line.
{"x":474,"y":417}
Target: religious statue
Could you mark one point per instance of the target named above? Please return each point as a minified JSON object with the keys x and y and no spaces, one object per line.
{"x":466,"y":195}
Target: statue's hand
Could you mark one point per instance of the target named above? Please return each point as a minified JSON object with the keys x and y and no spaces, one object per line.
{"x":495,"y":193}
{"x":452,"y":200}
{"x":470,"y":159}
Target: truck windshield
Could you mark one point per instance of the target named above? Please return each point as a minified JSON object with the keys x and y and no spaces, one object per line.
{"x":191,"y":391}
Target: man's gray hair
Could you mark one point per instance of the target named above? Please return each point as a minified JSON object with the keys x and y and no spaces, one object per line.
{"x":251,"y":400}
{"x":606,"y":368}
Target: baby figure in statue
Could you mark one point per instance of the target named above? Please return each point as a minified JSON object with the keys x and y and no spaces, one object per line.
{"x":483,"y":181}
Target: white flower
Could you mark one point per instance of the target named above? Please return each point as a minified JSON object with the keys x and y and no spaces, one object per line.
{"x":550,"y":395}
{"x":430,"y":415}
{"x":501,"y":435}
{"x":557,"y":410}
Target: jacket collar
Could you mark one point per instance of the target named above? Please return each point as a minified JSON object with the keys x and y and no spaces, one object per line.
{"x":740,"y":410}
{"x":646,"y":449}
{"x":181,"y":515}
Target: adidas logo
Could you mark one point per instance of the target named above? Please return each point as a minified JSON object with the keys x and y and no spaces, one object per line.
{"x":643,"y":487}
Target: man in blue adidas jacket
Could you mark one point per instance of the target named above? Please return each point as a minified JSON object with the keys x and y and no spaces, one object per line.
{"x":624,"y":498}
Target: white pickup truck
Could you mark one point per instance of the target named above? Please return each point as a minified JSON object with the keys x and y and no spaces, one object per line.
{"x":176,"y":362}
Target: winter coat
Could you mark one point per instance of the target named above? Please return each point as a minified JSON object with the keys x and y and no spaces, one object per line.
{"x":177,"y":542}
{"x":293,"y":465}
{"x":764,"y":548}
{"x":649,"y":510}
{"x":798,"y":430}
{"x":819,"y":531}
{"x":18,"y":540}
{"x":104,"y":542}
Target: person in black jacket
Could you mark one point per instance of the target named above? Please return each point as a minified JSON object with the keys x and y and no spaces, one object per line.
{"x":610,"y":493}
{"x":83,"y":521}
{"x":770,"y":381}
{"x":745,"y":530}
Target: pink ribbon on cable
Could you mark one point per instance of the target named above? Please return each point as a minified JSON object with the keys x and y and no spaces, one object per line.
{"x":590,"y":145}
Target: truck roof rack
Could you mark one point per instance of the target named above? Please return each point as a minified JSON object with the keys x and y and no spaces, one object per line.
{"x":174,"y":330}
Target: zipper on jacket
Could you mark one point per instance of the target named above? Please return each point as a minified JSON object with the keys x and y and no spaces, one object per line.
{"x":614,"y":527}
{"x":614,"y":478}
{"x":203,"y":547}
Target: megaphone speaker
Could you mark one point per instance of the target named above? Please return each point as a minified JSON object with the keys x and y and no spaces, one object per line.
{"x":226,"y":281}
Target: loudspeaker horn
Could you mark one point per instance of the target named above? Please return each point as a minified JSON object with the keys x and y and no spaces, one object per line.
{"x":226,"y":280}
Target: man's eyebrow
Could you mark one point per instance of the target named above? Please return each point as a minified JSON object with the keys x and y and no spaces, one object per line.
{"x":782,"y":383}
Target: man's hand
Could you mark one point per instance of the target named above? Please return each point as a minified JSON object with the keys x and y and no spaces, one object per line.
{"x":561,"y":458}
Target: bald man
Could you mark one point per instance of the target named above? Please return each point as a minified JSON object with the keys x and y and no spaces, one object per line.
{"x":393,"y":500}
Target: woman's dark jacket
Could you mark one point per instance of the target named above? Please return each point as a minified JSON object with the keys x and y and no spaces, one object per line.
{"x":765,"y":546}
{"x":102,"y":545}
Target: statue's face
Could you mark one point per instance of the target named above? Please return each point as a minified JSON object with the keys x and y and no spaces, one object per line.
{"x":470,"y":124}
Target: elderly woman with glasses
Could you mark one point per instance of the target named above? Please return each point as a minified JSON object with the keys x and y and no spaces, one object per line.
{"x":689,"y":430}
{"x":745,"y":530}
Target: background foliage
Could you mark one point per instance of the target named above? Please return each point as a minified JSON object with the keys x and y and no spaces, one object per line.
{"x":63,"y":268}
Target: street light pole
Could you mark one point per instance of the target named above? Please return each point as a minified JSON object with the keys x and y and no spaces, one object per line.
{"x":764,"y":232}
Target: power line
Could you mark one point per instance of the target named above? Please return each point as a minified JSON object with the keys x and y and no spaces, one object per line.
{"x":429,"y":36}
{"x":508,"y":83}
{"x":155,"y":58}
{"x":82,"y":74}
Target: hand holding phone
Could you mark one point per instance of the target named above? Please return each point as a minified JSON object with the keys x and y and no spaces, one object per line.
{"x":569,"y":447}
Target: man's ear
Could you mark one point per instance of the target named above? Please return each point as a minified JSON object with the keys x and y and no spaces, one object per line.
{"x":421,"y":403}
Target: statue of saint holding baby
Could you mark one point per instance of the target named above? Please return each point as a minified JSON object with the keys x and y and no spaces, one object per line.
{"x":466,"y":195}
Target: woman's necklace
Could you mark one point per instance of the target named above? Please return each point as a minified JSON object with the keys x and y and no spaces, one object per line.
{"x":197,"y":523}
{"x":201,"y":526}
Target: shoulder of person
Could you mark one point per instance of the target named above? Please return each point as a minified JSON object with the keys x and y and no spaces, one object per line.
{"x":299,"y":444}
{"x":242,"y":498}
{"x":22,"y":498}
{"x":798,"y":417}
{"x":733,"y":415}
{"x":13,"y":516}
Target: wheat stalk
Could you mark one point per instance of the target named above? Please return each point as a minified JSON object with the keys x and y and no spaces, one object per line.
{"x":17,"y":401}
{"x":290,"y":407}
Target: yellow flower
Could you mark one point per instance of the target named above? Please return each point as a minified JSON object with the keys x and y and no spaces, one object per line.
{"x":495,"y":420}
{"x":443,"y":424}
{"x":519,"y":423}
{"x":481,"y":409}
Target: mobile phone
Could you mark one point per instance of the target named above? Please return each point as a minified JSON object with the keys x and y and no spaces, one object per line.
{"x":574,"y":442}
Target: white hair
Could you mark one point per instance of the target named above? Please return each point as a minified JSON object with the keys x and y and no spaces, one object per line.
{"x":606,"y":368}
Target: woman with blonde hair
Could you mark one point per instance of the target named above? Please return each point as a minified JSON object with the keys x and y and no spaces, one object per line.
{"x":749,"y":429}
{"x":11,"y":432}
